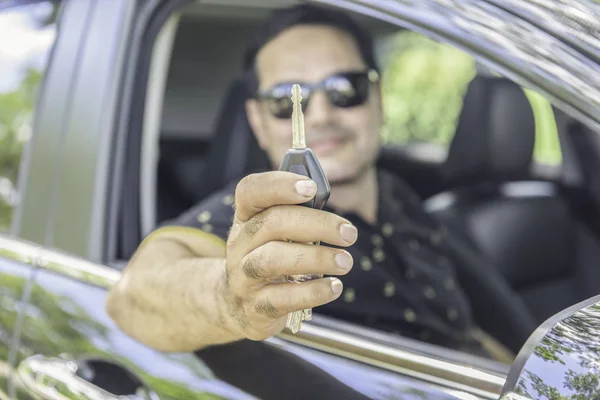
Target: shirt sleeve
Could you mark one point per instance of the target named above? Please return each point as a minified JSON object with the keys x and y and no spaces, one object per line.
{"x":213,"y":215}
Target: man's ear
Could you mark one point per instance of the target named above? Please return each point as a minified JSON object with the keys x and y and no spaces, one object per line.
{"x":256,"y":121}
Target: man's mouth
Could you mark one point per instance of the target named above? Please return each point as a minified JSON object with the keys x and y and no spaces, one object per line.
{"x":327,"y":145}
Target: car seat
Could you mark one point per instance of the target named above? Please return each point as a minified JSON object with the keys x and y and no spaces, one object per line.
{"x":190,"y":175}
{"x":526,"y":228}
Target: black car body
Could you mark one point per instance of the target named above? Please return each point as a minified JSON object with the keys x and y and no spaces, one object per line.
{"x":82,"y":208}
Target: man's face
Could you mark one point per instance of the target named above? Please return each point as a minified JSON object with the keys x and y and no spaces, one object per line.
{"x":345,"y":140}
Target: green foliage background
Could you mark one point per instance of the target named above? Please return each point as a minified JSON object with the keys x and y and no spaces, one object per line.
{"x":424,"y":82}
{"x":16,"y":111}
{"x":55,"y":323}
{"x":423,"y":86}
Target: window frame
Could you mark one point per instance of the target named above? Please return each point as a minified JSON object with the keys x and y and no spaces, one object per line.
{"x":127,"y":224}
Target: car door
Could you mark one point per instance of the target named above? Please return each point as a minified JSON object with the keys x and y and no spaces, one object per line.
{"x":15,"y":278}
{"x":22,"y":63}
{"x":69,"y":347}
{"x":53,"y":327}
{"x":37,"y":324}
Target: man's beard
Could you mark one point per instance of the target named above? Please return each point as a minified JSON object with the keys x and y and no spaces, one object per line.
{"x":336,"y":131}
{"x":329,"y":131}
{"x":350,"y":179}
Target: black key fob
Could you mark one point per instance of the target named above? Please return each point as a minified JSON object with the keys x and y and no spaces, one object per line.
{"x":304,"y":162}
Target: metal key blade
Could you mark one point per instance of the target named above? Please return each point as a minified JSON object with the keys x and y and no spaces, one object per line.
{"x":294,"y":321}
{"x":298,"y":136}
{"x":297,"y":160}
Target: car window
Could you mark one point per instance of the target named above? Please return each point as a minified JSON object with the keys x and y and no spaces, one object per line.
{"x":23,"y":58}
{"x":424,"y":82}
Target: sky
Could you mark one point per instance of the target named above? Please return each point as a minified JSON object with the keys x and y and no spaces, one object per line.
{"x":22,"y":44}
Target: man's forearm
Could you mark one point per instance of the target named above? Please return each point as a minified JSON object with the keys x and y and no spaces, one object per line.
{"x":170,"y":300}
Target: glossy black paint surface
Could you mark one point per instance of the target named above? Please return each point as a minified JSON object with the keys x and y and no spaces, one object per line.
{"x":562,"y":360}
{"x":66,"y":316}
{"x":575,"y":23}
{"x":13,"y":284}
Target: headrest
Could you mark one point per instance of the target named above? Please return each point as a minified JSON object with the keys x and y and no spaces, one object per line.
{"x":495,"y":135}
{"x":226,"y":155}
{"x":235,"y":151}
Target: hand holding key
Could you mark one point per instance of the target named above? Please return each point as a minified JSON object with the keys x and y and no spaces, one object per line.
{"x":270,"y":241}
{"x":260,"y":254}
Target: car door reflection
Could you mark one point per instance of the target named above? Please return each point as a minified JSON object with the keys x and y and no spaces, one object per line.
{"x":566,"y":362}
{"x":13,"y":282}
{"x":66,"y":320}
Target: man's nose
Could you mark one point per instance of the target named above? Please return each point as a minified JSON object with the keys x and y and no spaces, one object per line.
{"x":319,"y":111}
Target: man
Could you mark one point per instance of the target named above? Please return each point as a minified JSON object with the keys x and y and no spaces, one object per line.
{"x":213,"y":276}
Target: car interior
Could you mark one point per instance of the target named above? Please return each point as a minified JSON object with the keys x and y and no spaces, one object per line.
{"x":536,"y":224}
{"x":529,"y":228}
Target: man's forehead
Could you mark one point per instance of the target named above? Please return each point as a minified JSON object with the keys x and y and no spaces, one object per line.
{"x":307,"y":53}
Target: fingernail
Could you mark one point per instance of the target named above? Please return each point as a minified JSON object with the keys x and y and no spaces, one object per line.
{"x":306,"y":188}
{"x":336,"y":286}
{"x":343,"y":260}
{"x":348,"y":233}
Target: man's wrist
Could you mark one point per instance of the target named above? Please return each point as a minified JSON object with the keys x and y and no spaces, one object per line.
{"x":226,"y":307}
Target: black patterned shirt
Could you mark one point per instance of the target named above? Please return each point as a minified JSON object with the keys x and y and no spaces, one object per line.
{"x":402,"y":280}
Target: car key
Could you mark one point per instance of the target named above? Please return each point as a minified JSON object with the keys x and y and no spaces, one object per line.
{"x":301,"y":160}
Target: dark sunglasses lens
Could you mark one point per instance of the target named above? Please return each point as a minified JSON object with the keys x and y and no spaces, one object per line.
{"x":280,"y":101}
{"x":280,"y":107}
{"x":347,"y":90}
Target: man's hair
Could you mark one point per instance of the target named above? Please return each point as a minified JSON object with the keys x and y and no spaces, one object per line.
{"x":283,"y":19}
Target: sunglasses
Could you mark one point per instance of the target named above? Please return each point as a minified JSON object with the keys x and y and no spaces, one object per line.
{"x":343,"y":90}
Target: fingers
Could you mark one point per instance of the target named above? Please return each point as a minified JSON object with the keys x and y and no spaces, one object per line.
{"x":278,"y":300}
{"x":266,"y":242}
{"x":257,"y":192}
{"x":297,"y":224}
{"x":276,"y":259}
